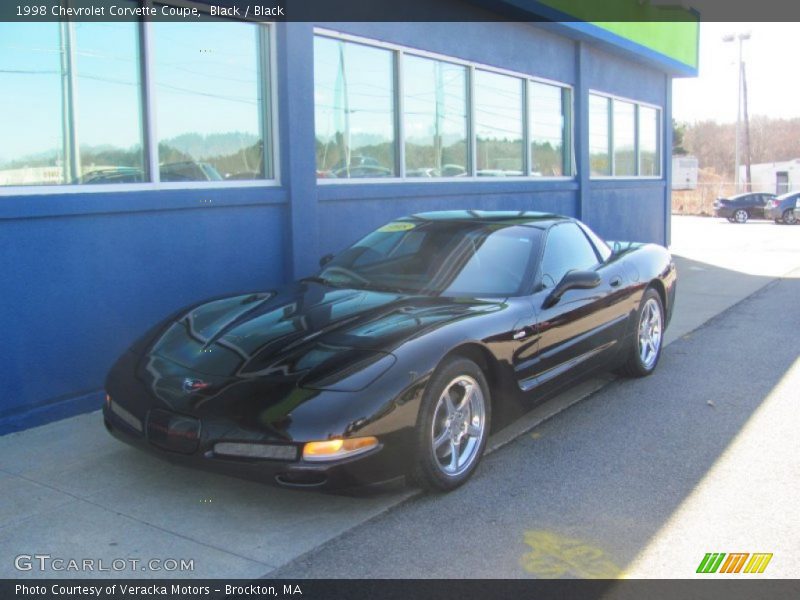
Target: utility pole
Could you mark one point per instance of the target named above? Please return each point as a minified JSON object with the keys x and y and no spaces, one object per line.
{"x":747,"y":180}
{"x":730,"y":38}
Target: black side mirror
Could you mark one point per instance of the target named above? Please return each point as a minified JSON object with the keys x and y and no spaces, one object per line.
{"x":574,"y":280}
{"x":325,"y":260}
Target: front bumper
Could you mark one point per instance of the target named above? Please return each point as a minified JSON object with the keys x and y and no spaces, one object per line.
{"x":367,"y":470}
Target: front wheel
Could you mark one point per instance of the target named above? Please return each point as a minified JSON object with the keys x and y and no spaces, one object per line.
{"x":645,"y":350}
{"x":453,"y":425}
{"x":741,"y":216}
{"x":788,"y":217}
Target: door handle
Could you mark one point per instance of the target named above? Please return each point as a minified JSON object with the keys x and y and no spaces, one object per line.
{"x":616,"y":281}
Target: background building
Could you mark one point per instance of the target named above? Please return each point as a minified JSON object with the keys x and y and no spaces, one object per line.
{"x":144,"y":167}
{"x":774,"y":177}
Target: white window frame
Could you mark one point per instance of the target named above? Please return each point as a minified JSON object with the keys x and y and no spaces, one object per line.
{"x":637,"y":162}
{"x":471,"y":66}
{"x":269,"y":121}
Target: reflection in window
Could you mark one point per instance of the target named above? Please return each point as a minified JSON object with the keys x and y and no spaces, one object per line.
{"x":107,"y":103}
{"x":548,"y":110}
{"x":599,"y":139}
{"x":354,"y":109}
{"x":435,"y":118}
{"x":69,"y":111}
{"x":31,"y":131}
{"x":210,"y":101}
{"x":498,"y":124}
{"x":624,"y":138}
{"x":649,"y":156}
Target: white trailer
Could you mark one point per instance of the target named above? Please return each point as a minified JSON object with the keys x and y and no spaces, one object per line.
{"x":684,"y":172}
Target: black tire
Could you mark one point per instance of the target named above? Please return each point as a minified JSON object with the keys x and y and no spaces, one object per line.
{"x":731,"y":220}
{"x":635,"y":365}
{"x":788,"y":217}
{"x":427,"y":470}
{"x":741,"y":216}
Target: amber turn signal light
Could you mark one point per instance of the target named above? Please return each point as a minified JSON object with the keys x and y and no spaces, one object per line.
{"x":335,"y":449}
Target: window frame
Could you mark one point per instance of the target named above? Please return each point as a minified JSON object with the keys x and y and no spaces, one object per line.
{"x":637,"y":159}
{"x":400,"y":52}
{"x":269,"y":122}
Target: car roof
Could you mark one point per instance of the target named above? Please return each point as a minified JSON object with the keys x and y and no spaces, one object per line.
{"x":521,"y":217}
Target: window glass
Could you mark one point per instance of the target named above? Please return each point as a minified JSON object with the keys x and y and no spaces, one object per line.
{"x":210,"y":100}
{"x":599,"y":141}
{"x":469,"y":258}
{"x":32,"y":148}
{"x":548,"y":131}
{"x":107,"y":103}
{"x":498,"y":124}
{"x":435,"y":118}
{"x":624,"y":138}
{"x":567,"y":249}
{"x":70,"y":107}
{"x":353,"y":109}
{"x":599,"y":244}
{"x":649,"y":156}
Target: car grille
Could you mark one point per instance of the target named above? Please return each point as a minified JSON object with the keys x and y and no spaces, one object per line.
{"x":173,"y":432}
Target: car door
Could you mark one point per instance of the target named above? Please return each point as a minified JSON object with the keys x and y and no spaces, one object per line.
{"x":579,"y":331}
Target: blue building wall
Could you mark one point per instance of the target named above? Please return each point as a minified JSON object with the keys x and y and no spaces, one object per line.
{"x":84,"y":273}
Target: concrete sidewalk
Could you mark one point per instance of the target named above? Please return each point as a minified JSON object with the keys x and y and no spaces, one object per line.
{"x":71,"y":491}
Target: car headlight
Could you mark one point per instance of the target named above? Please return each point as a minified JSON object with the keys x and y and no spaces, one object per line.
{"x":336,"y":449}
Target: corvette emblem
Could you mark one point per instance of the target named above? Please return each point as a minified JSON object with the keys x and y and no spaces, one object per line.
{"x":194,"y":385}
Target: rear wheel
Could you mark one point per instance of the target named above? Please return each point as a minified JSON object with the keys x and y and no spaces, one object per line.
{"x":453,"y":426}
{"x":788,"y":217}
{"x":645,"y":350}
{"x":731,"y":220}
{"x":741,"y":216}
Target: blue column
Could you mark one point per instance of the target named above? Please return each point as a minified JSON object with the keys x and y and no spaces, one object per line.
{"x":667,"y":160}
{"x":295,"y":63}
{"x":581,"y":120}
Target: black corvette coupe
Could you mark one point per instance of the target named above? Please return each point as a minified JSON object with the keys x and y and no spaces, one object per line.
{"x":399,"y":357}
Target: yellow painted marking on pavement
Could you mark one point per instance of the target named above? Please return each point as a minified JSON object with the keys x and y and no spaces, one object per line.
{"x":553,"y":555}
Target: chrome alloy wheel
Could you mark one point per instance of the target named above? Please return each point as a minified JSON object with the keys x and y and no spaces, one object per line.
{"x":740,"y":216}
{"x":459,"y":424}
{"x":650,"y":333}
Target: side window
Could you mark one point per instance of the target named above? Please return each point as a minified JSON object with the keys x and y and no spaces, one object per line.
{"x":567,"y":249}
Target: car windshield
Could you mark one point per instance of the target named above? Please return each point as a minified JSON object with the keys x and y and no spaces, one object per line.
{"x":442,"y":258}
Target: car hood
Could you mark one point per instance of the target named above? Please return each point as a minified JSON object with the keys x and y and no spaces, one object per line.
{"x":304,"y":335}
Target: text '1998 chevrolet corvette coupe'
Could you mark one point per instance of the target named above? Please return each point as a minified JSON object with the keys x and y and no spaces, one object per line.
{"x":399,"y":357}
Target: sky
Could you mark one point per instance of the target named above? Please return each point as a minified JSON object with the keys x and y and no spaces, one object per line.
{"x":770,"y":57}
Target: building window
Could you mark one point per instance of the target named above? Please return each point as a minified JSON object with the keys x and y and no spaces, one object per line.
{"x":354,"y":109}
{"x":649,"y":145}
{"x":624,"y":128}
{"x":73,"y":105}
{"x":212,"y":67}
{"x":627,"y":132}
{"x":549,"y":107}
{"x":599,"y":138}
{"x":70,"y":107}
{"x":498,"y":124}
{"x":435,"y":118}
{"x":386,"y":111}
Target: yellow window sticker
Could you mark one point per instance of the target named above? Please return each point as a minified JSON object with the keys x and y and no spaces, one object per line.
{"x":397,"y":226}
